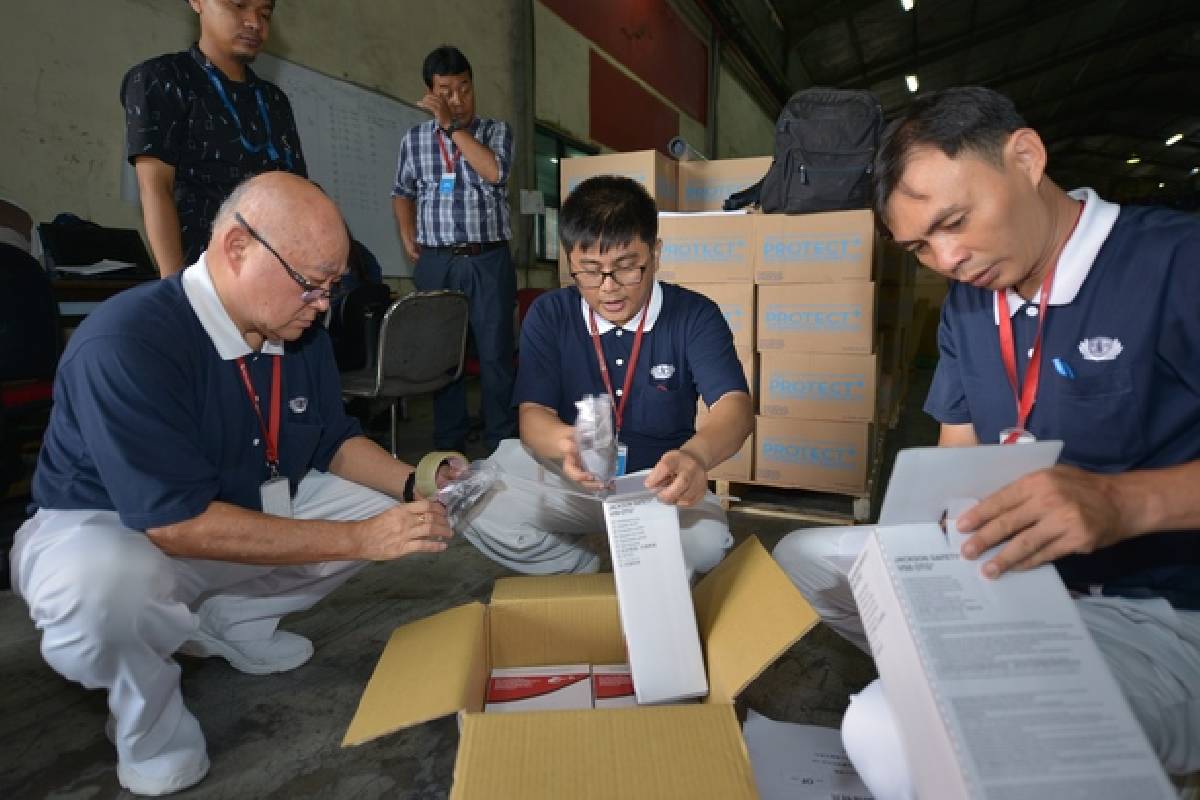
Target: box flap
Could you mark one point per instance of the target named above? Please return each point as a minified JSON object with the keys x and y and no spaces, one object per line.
{"x":558,"y":619}
{"x":749,"y":613}
{"x":429,"y":668}
{"x":653,"y":752}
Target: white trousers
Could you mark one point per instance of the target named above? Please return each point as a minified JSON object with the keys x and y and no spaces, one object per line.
{"x":113,"y":608}
{"x":529,"y":525}
{"x":1152,"y":649}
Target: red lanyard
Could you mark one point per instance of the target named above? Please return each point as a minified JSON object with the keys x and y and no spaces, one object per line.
{"x":446,"y":159}
{"x":633,"y":357}
{"x":270,"y":434}
{"x":1027,"y":393}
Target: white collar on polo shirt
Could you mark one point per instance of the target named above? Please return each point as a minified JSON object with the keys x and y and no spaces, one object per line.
{"x":604,"y":326}
{"x":1078,"y":255}
{"x":198,"y":286}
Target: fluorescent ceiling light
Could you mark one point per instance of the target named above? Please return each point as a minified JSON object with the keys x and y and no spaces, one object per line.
{"x":1133,"y":160}
{"x":1162,"y":185}
{"x":553,"y":160}
{"x":1175,"y":139}
{"x":913,"y":83}
{"x":907,"y":5}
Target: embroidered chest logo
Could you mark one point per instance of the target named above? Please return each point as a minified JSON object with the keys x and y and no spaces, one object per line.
{"x":298,"y":405}
{"x":662,"y":372}
{"x":1100,"y":348}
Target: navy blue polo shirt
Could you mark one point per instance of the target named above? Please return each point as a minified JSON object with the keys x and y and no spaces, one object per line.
{"x":150,"y":421}
{"x":687,"y":352}
{"x":1120,"y":374}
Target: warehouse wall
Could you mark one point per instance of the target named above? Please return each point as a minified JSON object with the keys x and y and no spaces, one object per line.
{"x":63,"y":62}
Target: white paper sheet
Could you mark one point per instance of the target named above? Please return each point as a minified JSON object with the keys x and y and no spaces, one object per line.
{"x":800,"y":762}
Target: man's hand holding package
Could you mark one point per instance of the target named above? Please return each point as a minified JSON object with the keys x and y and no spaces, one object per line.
{"x":679,"y":478}
{"x":1044,"y":516}
{"x":416,"y":527}
{"x":572,"y":463}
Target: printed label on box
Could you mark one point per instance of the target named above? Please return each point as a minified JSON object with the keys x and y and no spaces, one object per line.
{"x":539,"y":688}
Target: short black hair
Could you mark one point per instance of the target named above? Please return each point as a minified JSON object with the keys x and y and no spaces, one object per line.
{"x":445,"y":60}
{"x":609,"y":210}
{"x":971,"y":119}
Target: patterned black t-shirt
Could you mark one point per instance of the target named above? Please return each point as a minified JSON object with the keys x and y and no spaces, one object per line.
{"x":175,"y":113}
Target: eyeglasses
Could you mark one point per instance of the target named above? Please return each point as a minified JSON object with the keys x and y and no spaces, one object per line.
{"x":624,"y":276}
{"x":311,"y":292}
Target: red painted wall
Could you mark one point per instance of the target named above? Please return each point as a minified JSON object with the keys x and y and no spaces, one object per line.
{"x":624,"y":116}
{"x":650,"y":39}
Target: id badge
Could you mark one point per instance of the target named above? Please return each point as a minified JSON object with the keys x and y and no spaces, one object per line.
{"x":276,"y":496}
{"x":1016,"y":436}
{"x":446,"y":184}
{"x":622,"y":459}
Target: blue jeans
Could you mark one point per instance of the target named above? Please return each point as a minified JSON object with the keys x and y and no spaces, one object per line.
{"x":490,"y":282}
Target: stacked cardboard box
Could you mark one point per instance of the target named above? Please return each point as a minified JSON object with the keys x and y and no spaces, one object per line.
{"x":817,"y":344}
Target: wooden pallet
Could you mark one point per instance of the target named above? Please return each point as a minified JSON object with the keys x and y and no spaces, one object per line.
{"x":805,"y":505}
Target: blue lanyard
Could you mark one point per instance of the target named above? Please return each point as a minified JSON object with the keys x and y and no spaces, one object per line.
{"x":269,"y":146}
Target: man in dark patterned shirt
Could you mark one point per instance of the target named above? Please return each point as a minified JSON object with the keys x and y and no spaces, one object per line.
{"x":451,"y":204}
{"x":199,"y":122}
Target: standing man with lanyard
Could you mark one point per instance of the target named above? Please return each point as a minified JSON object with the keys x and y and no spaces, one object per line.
{"x":198,"y":123}
{"x":451,"y":204}
{"x":655,"y":349}
{"x":1071,"y":318}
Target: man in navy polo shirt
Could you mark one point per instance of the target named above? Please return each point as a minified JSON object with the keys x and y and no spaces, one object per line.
{"x":1070,"y":318}
{"x":199,"y":478}
{"x":663,"y":346}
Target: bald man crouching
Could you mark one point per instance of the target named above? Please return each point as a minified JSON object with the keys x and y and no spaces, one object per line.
{"x":199,"y":478}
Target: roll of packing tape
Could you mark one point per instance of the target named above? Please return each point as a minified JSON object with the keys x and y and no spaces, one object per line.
{"x":427,"y":468}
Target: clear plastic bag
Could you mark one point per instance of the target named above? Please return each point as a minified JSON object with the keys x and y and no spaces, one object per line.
{"x":595,"y":437}
{"x":464,"y":491}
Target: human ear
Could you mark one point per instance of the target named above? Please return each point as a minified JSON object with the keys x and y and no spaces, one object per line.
{"x":1026,"y":151}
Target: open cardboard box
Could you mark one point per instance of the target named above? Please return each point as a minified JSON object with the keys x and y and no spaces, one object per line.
{"x":748,"y":614}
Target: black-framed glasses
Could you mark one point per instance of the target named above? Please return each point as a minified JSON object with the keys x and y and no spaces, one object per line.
{"x":624,"y":276}
{"x":311,"y":292}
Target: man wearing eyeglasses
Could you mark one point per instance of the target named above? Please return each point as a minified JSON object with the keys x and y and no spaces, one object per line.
{"x":199,"y":122}
{"x":450,"y":200}
{"x":655,"y":349}
{"x":199,"y":478}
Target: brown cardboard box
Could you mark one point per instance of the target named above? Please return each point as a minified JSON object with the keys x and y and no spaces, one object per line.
{"x":818,"y":386}
{"x":706,"y":248}
{"x":439,"y":666}
{"x":658,"y":173}
{"x":828,"y":247}
{"x":704,"y":185}
{"x":810,"y":454}
{"x":736,"y":301}
{"x":816,"y":318}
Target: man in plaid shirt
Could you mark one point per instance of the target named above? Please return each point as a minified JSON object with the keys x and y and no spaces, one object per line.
{"x":451,"y":204}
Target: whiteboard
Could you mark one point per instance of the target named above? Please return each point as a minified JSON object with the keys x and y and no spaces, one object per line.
{"x":350,"y":137}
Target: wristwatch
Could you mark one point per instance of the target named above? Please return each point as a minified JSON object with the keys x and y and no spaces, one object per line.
{"x":452,"y":128}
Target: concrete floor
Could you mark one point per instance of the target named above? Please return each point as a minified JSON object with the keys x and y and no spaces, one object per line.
{"x":279,"y":736}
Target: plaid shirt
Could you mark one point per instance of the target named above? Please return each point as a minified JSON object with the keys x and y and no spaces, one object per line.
{"x":476,"y":211}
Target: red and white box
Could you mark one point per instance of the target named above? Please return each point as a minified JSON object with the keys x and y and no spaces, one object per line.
{"x":612,"y":686}
{"x":551,"y":688}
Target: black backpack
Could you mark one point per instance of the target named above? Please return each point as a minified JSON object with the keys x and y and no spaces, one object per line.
{"x":825,"y":141}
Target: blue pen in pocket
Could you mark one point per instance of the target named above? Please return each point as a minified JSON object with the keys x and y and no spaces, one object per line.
{"x":1063,"y":368}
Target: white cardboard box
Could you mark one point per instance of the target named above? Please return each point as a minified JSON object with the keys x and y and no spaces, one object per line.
{"x":653,"y":594}
{"x":996,"y":686}
{"x":549,"y":688}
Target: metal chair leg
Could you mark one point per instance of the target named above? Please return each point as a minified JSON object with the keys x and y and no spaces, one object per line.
{"x":395,"y":402}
